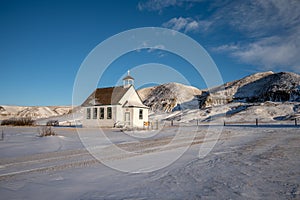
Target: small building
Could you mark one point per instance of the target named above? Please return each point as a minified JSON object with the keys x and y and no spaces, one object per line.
{"x":118,"y":106}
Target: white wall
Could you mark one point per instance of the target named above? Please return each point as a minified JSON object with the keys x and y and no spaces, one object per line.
{"x":118,"y":116}
{"x":131,"y":95}
{"x":99,"y":122}
{"x":137,"y":122}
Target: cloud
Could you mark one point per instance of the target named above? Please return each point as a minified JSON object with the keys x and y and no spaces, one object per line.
{"x":271,"y":32}
{"x":259,"y":17}
{"x":158,"y":49}
{"x":150,"y":48}
{"x":159,"y":5}
{"x":225,"y":48}
{"x":185,"y":24}
{"x":270,"y":53}
{"x":265,"y":33}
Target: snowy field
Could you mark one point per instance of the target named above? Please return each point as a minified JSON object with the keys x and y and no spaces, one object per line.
{"x":246,"y":163}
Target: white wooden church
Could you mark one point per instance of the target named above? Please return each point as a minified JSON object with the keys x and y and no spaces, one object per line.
{"x":115,"y":106}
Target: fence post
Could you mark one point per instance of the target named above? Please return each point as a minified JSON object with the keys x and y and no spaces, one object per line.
{"x":2,"y":135}
{"x":256,"y":122}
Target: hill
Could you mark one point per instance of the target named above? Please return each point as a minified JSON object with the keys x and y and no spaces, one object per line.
{"x":259,"y":87}
{"x":34,"y":112}
{"x":170,"y":96}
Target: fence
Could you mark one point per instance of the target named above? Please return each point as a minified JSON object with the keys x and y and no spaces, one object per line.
{"x":156,"y":124}
{"x":262,"y":123}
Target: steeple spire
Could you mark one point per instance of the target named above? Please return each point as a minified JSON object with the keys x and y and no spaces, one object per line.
{"x":128,"y":80}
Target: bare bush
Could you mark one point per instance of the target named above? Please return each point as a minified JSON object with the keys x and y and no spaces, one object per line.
{"x":46,"y":131}
{"x":52,"y":123}
{"x":26,"y":121}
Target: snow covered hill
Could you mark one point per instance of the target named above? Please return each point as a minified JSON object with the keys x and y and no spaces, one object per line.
{"x":237,"y":112}
{"x":259,"y":87}
{"x":267,"y":96}
{"x":170,"y":96}
{"x":35,"y":112}
{"x":277,"y":87}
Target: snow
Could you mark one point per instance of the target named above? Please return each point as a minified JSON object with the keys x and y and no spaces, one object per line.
{"x":245,"y":163}
{"x":237,"y":112}
{"x":259,"y":87}
{"x":35,"y":112}
{"x":70,"y":119}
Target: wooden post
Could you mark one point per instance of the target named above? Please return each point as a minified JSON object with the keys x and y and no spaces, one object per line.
{"x":2,"y":135}
{"x":296,"y":122}
{"x":172,"y":123}
{"x":256,"y":122}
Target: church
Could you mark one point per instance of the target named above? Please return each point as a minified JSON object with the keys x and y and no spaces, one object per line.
{"x":118,"y":106}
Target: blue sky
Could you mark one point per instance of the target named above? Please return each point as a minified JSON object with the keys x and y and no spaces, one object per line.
{"x":43,"y":43}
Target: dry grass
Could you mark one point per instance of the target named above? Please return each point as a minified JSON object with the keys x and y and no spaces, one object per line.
{"x":26,"y":121}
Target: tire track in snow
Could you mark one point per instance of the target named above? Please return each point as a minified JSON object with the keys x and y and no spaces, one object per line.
{"x":82,"y":158}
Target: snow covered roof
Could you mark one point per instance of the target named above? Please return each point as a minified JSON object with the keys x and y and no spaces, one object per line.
{"x":106,"y":96}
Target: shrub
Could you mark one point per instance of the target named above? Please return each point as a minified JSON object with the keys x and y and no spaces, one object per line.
{"x":26,"y":121}
{"x":46,"y":131}
{"x":52,"y":123}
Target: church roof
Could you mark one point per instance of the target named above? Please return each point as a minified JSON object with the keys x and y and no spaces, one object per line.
{"x":106,"y":96}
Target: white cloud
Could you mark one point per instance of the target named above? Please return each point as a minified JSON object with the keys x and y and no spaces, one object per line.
{"x":185,"y":24}
{"x":192,"y":26}
{"x":272,"y":30}
{"x":159,"y":5}
{"x":259,"y":17}
{"x":158,"y":48}
{"x":265,"y":33}
{"x":226,"y":48}
{"x":270,"y":53}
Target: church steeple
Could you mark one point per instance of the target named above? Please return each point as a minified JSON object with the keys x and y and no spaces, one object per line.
{"x":128,"y":80}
